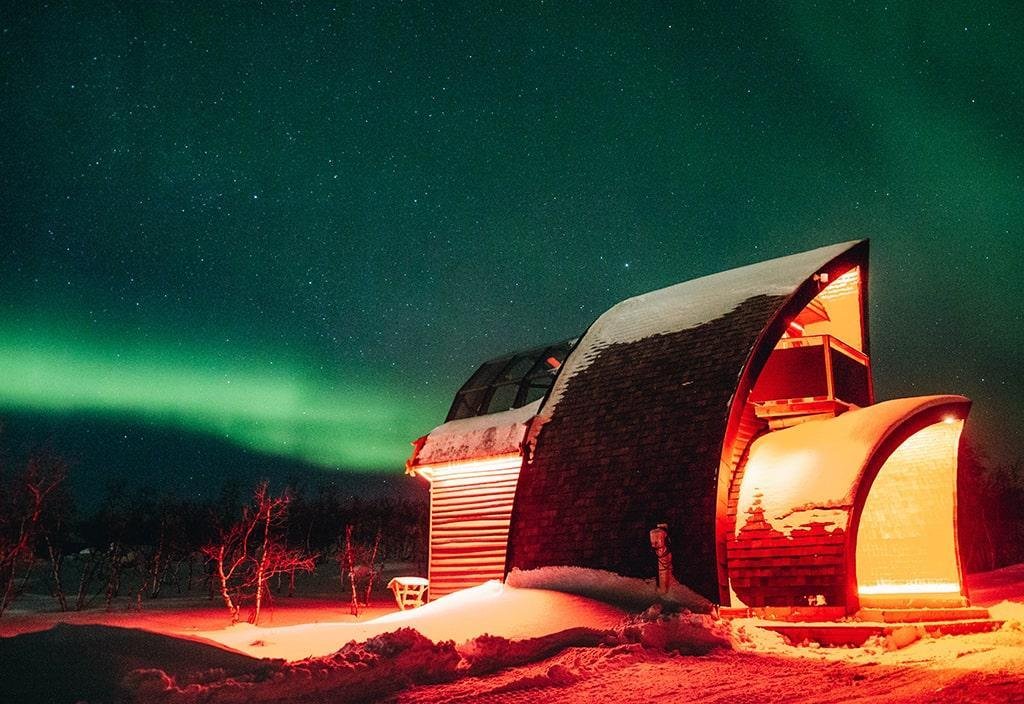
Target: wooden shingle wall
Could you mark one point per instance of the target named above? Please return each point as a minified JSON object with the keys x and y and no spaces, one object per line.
{"x":637,"y":439}
{"x":768,"y":568}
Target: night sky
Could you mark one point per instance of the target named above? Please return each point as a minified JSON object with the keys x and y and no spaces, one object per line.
{"x":294,"y":229}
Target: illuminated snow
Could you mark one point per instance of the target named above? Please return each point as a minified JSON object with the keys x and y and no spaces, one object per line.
{"x":808,"y":473}
{"x":983,"y":667}
{"x":479,"y":436}
{"x":607,"y":586}
{"x":491,"y":608}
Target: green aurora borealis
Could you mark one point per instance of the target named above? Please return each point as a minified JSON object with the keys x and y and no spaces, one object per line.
{"x":299,"y":226}
{"x":265,"y":406}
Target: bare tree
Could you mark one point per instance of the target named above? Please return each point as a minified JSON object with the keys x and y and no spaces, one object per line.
{"x":55,"y":529}
{"x":23,"y":498}
{"x":361,"y":565}
{"x":348,"y":566}
{"x":251,"y":551}
{"x":374,"y":567}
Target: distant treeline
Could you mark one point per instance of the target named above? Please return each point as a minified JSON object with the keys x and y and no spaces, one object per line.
{"x":990,"y":511}
{"x":141,"y":545}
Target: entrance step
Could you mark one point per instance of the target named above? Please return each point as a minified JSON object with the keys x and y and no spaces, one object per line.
{"x":921,"y":615}
{"x":894,"y":635}
{"x":785,"y":613}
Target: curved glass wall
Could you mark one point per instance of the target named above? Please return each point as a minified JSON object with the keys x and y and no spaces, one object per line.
{"x":510,"y":382}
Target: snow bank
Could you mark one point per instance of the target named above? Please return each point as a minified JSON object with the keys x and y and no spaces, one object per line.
{"x":492,"y":653}
{"x":491,"y":608}
{"x":358,"y":672}
{"x":629,"y":592}
{"x":1003,"y":584}
{"x":388,"y":663}
{"x":70,"y":663}
{"x":681,"y":633}
{"x":1011,"y":612}
{"x":745,"y":636}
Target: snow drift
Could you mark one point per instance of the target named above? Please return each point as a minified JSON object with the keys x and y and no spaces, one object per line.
{"x":628,"y":592}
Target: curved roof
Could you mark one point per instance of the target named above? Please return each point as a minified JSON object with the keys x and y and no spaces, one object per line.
{"x":690,"y":304}
{"x":636,"y":420}
{"x":824,"y":462}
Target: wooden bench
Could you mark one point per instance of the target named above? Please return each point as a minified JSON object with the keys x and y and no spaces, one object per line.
{"x":409,"y":591}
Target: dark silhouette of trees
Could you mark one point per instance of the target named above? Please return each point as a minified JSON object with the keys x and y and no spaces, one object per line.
{"x":25,"y":497}
{"x":990,"y":511}
{"x":142,"y":546}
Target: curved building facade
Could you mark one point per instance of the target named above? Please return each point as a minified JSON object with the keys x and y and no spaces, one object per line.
{"x":726,"y":407}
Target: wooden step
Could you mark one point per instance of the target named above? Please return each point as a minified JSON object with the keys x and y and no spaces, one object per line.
{"x":857,"y":633}
{"x":919,"y":615}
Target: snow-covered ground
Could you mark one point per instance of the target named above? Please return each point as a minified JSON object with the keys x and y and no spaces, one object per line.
{"x":540,"y":643}
{"x":492,"y":608}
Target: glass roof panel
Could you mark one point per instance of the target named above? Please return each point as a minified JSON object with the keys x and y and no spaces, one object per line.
{"x":510,"y":381}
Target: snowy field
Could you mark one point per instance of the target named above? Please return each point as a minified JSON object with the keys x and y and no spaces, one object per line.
{"x":590,"y":646}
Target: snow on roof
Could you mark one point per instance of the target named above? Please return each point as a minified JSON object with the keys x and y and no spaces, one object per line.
{"x":809,"y":472}
{"x":479,"y":436}
{"x":491,"y":608}
{"x":691,"y":303}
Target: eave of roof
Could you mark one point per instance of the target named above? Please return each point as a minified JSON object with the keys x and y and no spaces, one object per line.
{"x":473,"y":438}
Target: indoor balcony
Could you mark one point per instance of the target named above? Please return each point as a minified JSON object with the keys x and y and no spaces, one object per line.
{"x":811,"y":377}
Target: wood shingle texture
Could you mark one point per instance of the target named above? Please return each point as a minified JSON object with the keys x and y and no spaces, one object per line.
{"x":632,"y":432}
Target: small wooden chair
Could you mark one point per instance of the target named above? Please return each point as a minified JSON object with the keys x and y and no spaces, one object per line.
{"x":409,"y":591}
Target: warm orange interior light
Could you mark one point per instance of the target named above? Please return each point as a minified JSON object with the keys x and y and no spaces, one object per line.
{"x":837,"y":311}
{"x":910,"y":588}
{"x":906,"y":543}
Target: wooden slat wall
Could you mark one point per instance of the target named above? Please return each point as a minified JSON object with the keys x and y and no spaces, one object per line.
{"x":749,"y":427}
{"x":470,"y":508}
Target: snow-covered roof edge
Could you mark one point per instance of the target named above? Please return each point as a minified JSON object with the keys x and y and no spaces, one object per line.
{"x":688,"y":304}
{"x":479,"y":436}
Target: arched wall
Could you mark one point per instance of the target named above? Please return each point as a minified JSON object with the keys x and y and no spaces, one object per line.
{"x":803,"y":495}
{"x":742,"y":427}
{"x":632,"y":431}
{"x":906,"y":541}
{"x":957,"y":408}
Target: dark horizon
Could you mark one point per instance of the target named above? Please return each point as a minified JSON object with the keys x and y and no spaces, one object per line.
{"x":108,"y":457}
